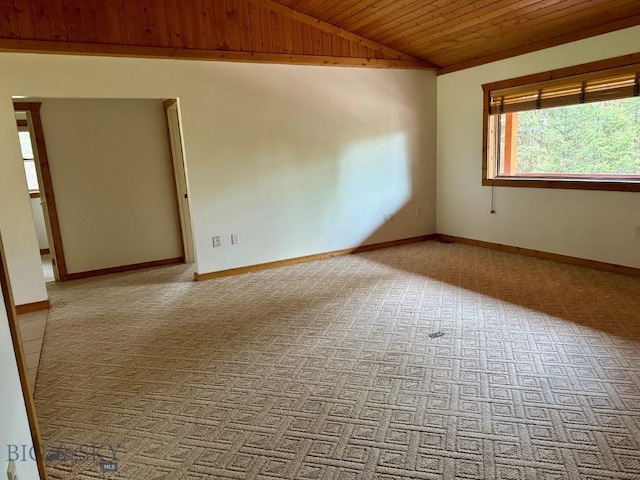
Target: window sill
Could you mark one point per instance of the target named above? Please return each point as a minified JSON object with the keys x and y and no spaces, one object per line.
{"x":619,"y":185}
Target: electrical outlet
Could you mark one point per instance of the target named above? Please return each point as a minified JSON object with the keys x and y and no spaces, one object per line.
{"x":11,"y":471}
{"x":235,"y":238}
{"x":217,"y":241}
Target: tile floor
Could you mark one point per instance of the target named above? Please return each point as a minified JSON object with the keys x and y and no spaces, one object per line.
{"x":32,"y":327}
{"x":47,"y":268}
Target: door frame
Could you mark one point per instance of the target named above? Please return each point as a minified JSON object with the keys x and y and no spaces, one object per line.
{"x":52,"y":222}
{"x":178,"y":167}
{"x":23,"y":125}
{"x":47,"y":197}
{"x":16,"y":339}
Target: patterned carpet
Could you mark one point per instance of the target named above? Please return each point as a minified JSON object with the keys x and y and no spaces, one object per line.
{"x":329,"y":370}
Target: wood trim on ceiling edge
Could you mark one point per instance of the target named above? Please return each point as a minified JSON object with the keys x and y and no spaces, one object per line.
{"x":132,"y":51}
{"x":198,"y":277}
{"x":550,"y":43}
{"x":556,"y":257}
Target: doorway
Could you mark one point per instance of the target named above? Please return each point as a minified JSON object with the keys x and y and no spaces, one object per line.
{"x":27,"y":148}
{"x":35,"y":162}
{"x":121,"y":195}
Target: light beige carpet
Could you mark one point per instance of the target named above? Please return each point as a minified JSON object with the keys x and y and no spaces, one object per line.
{"x":327,"y":370}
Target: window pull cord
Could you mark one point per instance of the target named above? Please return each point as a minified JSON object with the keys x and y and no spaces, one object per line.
{"x":493,"y":198}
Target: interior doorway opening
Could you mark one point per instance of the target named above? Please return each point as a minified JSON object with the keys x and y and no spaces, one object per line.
{"x":28,"y":149}
{"x":33,"y":152}
{"x":132,"y":204}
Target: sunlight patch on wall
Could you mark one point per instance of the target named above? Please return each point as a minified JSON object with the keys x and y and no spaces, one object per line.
{"x":374,"y":182}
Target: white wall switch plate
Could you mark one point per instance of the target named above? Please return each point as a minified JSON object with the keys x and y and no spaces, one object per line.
{"x":235,"y":238}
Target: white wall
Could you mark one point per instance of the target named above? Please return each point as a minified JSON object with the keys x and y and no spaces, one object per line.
{"x":112,"y":179}
{"x":13,"y":414}
{"x":16,"y":223}
{"x":596,"y":225}
{"x":296,"y":159}
{"x":38,"y":220}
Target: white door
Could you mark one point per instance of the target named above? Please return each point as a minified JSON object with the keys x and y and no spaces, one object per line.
{"x":182,"y":189}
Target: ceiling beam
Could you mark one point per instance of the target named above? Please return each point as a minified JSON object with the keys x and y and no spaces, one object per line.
{"x":98,"y":49}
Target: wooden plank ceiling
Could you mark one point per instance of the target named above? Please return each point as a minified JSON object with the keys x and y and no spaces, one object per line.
{"x":457,"y":34}
{"x":444,"y":34}
{"x":245,"y":30}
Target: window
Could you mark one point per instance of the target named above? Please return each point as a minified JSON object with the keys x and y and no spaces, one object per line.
{"x":29,"y":160}
{"x":570,"y":128}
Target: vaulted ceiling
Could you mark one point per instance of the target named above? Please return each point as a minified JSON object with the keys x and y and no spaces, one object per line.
{"x":444,"y":34}
{"x":458,"y":33}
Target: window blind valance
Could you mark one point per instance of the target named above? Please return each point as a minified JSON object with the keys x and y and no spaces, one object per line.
{"x":608,"y":85}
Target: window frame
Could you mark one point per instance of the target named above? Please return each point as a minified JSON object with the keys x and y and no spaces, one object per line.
{"x":490,"y":176}
{"x":23,"y":126}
